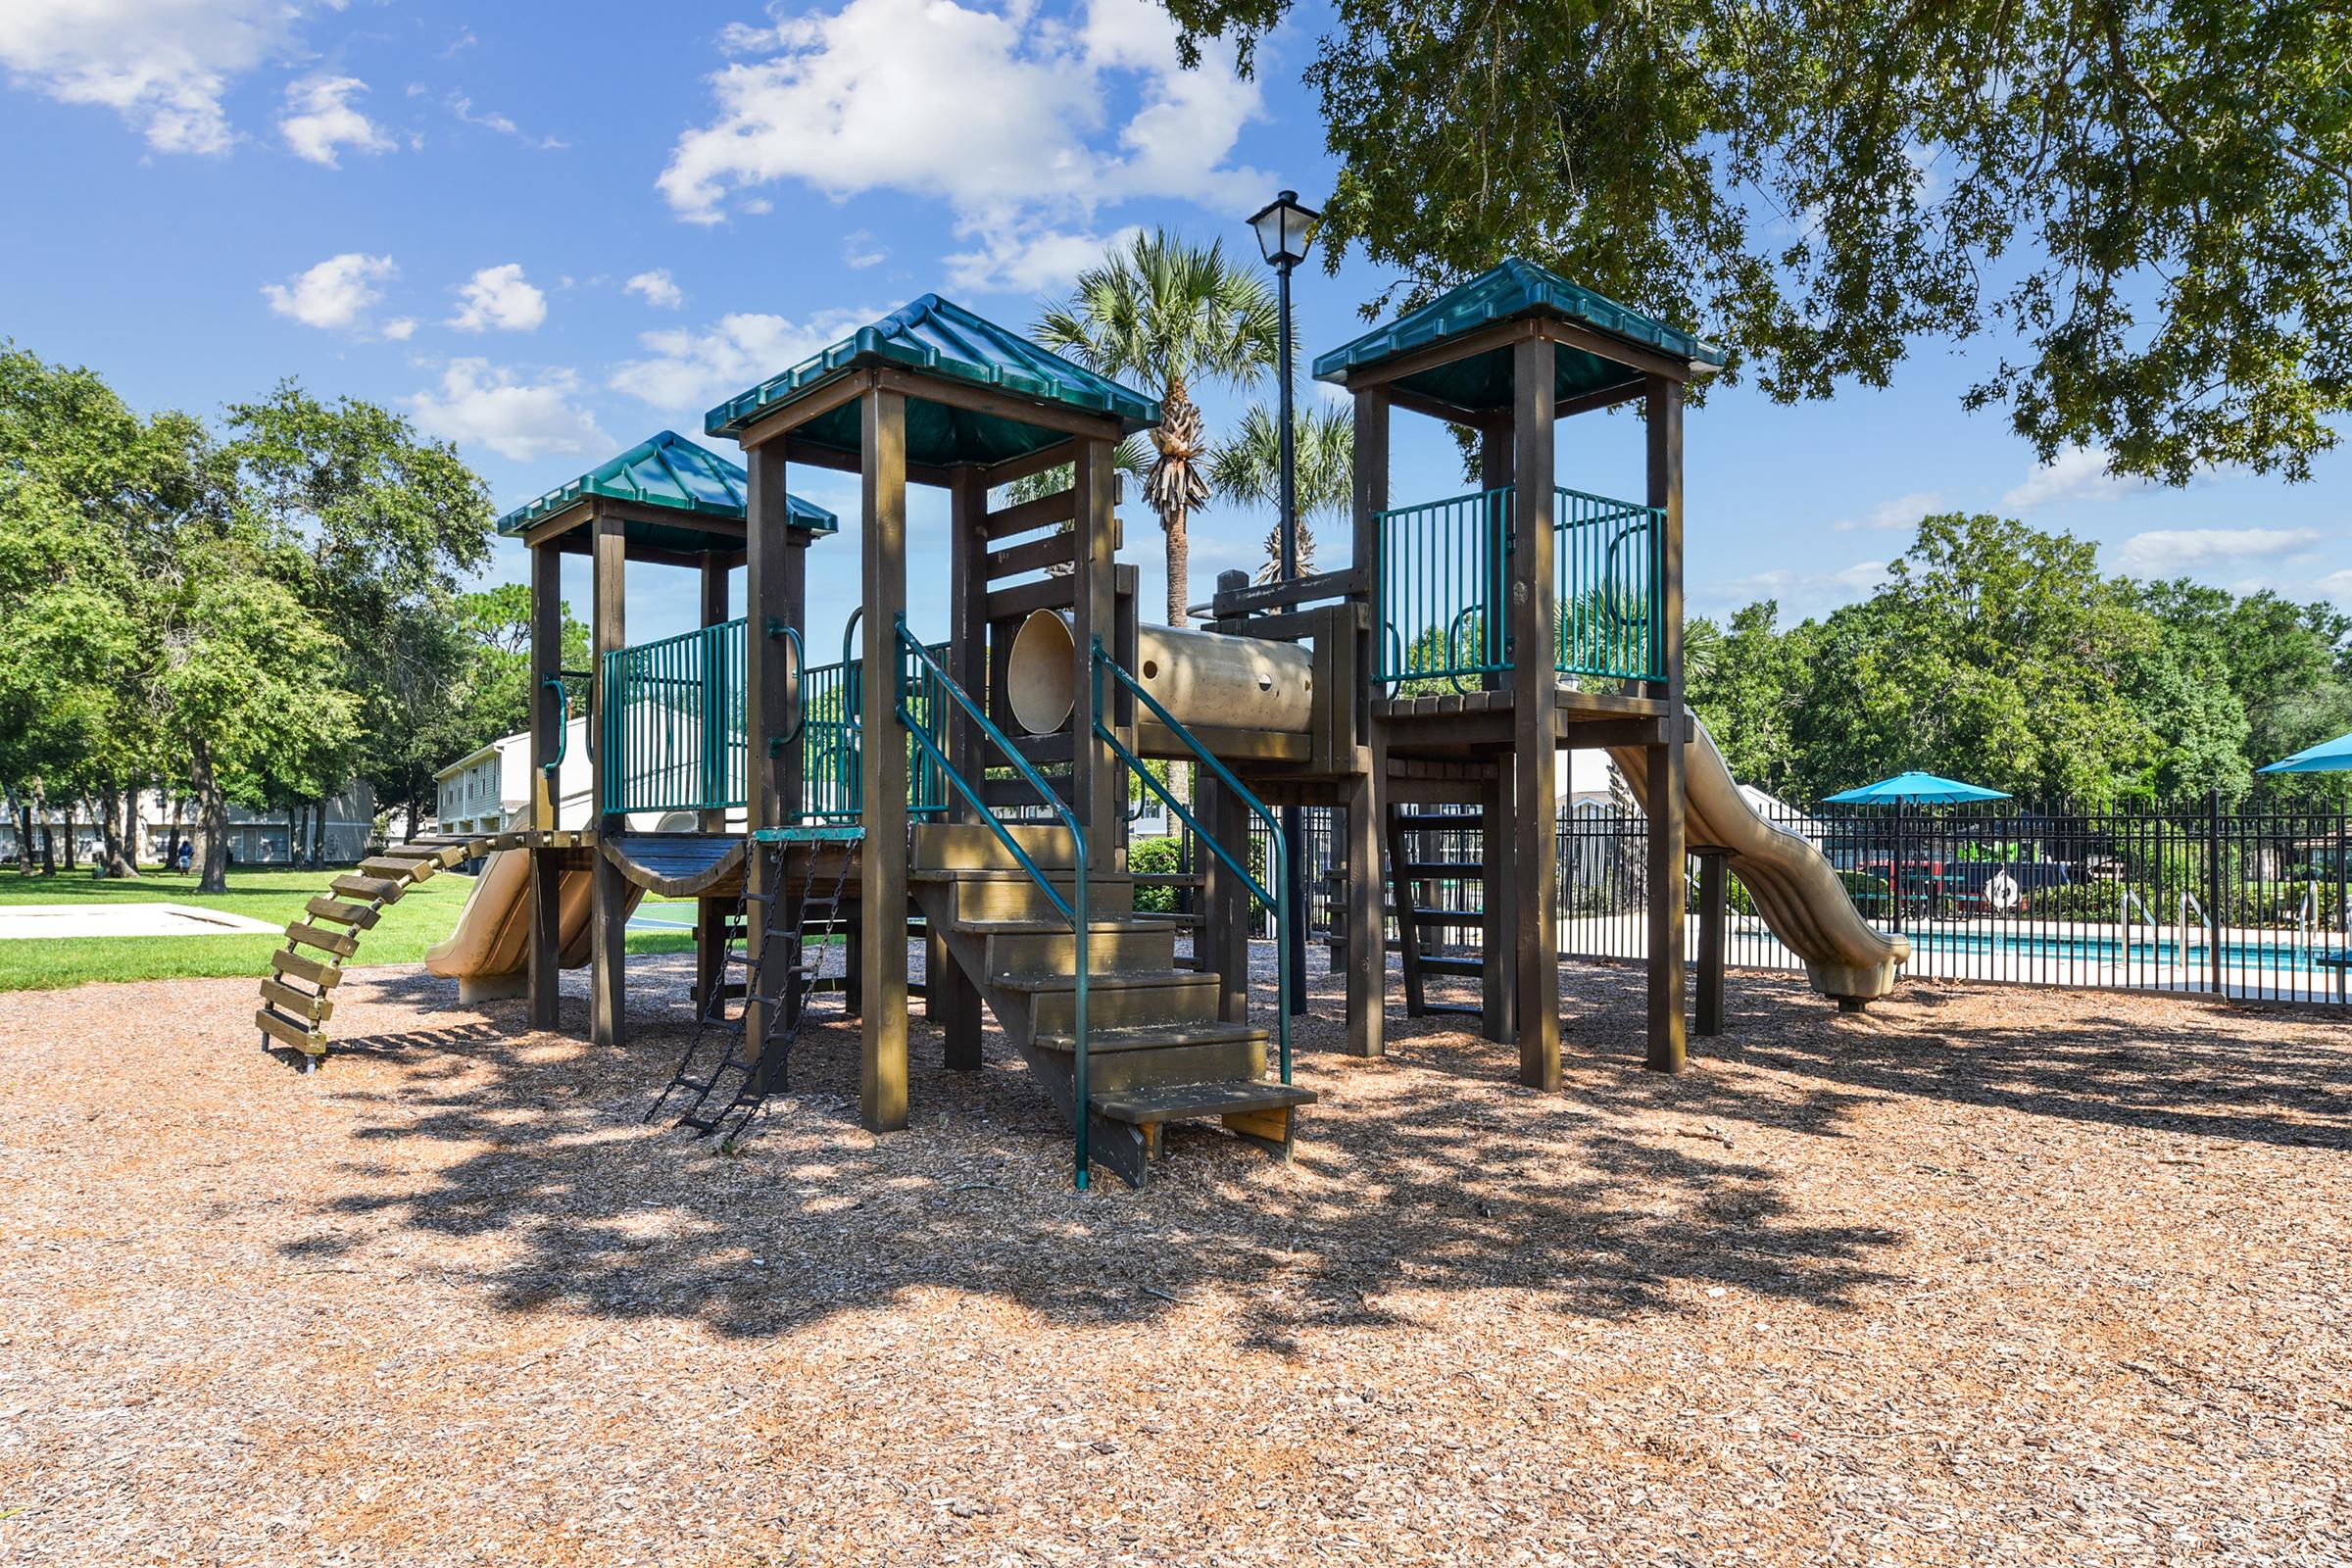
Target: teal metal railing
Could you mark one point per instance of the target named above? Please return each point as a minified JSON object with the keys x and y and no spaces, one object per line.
{"x":674,"y":722}
{"x":1605,"y":563}
{"x":1278,"y":848}
{"x":924,"y":691}
{"x":1445,"y":566}
{"x":673,"y":735}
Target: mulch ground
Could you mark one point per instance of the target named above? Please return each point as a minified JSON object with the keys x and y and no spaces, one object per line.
{"x":1978,"y":1277}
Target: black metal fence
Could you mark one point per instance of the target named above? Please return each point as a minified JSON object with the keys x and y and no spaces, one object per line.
{"x":2245,"y":904}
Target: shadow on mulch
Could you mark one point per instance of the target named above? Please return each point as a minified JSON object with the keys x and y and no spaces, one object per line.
{"x":1431,"y":1172}
{"x":1435,"y":1172}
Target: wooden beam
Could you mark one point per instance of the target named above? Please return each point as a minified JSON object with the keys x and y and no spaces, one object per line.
{"x":1534,"y":621}
{"x":1714,"y":907}
{"x":1096,"y":775}
{"x":1668,"y":782}
{"x":542,"y":974}
{"x":1024,"y":599}
{"x":557,"y":523}
{"x":950,"y":995}
{"x":767,"y":799}
{"x":607,"y":978}
{"x":1366,"y":926}
{"x":814,"y":404}
{"x":883,"y":769}
{"x":1348,"y":582}
{"x":1030,"y":462}
{"x":1027,"y":517}
{"x":1413,"y":402}
{"x":710,"y":915}
{"x":1600,"y":345}
{"x":1607,"y":397}
{"x":999,"y":404}
{"x":1501,"y":335}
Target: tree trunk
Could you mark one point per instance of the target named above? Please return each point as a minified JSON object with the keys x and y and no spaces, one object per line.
{"x":1179,"y":567}
{"x":131,"y":831}
{"x":68,"y":835}
{"x":319,"y":831}
{"x":110,"y":832}
{"x":211,"y":820}
{"x":171,"y":846}
{"x":293,"y":834}
{"x":24,"y":837}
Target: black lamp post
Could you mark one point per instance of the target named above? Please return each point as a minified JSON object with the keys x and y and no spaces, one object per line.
{"x":1285,"y":229}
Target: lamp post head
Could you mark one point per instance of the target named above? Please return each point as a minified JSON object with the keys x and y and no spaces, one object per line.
{"x":1285,"y":229}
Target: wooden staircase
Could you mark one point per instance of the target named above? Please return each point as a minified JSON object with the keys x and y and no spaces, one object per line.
{"x":1157,"y":1050}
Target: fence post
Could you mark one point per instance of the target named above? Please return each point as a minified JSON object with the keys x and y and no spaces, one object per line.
{"x":2213,"y":888}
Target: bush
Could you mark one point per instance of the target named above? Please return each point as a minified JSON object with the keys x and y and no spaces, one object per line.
{"x":1156,"y":857}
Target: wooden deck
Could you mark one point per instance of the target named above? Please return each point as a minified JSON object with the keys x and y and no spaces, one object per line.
{"x":1454,"y":724}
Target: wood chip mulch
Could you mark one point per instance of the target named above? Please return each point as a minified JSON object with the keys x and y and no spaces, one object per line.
{"x":1979,"y":1277}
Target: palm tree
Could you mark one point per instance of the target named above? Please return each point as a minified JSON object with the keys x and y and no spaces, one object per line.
{"x":1249,"y":470}
{"x":1170,"y":313}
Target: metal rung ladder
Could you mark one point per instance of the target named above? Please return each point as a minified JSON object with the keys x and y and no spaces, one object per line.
{"x":784,"y":976}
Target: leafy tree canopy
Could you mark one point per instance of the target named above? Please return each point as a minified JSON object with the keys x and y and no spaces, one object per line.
{"x":2152,"y":201}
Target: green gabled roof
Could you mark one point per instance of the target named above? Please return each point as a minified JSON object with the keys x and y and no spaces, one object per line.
{"x":671,"y":473}
{"x":1515,"y":288}
{"x":941,"y":338}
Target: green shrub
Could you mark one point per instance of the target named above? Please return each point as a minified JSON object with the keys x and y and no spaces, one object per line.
{"x":1156,"y":857}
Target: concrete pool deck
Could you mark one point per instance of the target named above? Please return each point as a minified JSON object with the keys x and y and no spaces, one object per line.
{"x":25,"y":920}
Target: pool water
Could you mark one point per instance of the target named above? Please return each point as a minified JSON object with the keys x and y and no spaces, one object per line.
{"x":2286,"y":954}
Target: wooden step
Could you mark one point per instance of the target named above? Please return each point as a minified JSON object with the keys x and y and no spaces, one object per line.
{"x":1036,"y":946}
{"x":1443,"y":871}
{"x":1437,"y":822}
{"x":359,"y":916}
{"x":1169,"y":1053}
{"x":1443,"y":963}
{"x":1115,"y":1000}
{"x":289,"y":1032}
{"x":958,"y":845}
{"x":374,"y":889}
{"x":1018,"y":793}
{"x":325,"y":976}
{"x":991,"y":895}
{"x":316,"y":1008}
{"x":1185,"y":1101}
{"x":393,"y":869}
{"x":342,"y":944}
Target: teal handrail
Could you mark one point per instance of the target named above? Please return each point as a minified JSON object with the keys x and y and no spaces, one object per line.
{"x":1277,"y":847}
{"x":562,"y":731}
{"x":1073,"y":909}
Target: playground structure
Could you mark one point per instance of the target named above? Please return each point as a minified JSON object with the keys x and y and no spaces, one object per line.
{"x":974,"y":792}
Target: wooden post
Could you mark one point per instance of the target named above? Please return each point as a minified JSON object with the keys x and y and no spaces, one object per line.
{"x":1367,"y":902}
{"x":1668,"y":1046}
{"x":710,"y":915}
{"x":1095,"y":778}
{"x":1535,"y":715}
{"x":607,"y":978}
{"x":767,"y":596}
{"x":1498,"y":844}
{"x":1713,"y":912}
{"x":882,"y":768}
{"x":950,"y":995}
{"x":543,"y":974}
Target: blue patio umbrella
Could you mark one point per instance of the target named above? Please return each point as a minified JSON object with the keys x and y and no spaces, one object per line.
{"x":2328,"y":757}
{"x":1912,"y":788}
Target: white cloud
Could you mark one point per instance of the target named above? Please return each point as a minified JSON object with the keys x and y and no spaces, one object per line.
{"x":2172,"y":552}
{"x":161,"y":65}
{"x":320,"y":117}
{"x":491,"y":120}
{"x":499,"y":297}
{"x":659,"y":288}
{"x":400,"y":330}
{"x":1801,"y":593}
{"x":689,"y":371}
{"x":1030,"y":262}
{"x":2076,"y":473}
{"x":479,"y":404}
{"x":335,"y":293}
{"x":1023,"y":124}
{"x":859,"y":250}
{"x":2336,"y":585}
{"x":1903,"y":511}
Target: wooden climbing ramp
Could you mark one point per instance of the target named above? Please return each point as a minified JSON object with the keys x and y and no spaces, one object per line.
{"x":297,"y":997}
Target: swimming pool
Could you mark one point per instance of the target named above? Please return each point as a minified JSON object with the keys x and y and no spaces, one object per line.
{"x":2287,"y":954}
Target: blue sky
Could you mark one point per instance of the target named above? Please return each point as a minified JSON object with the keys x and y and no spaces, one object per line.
{"x":547,"y":232}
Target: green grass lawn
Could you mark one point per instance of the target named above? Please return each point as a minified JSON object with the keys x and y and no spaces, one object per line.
{"x":423,"y":917}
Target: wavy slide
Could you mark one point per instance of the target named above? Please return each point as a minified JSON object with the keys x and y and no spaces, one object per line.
{"x":487,"y":952}
{"x":1793,"y":887}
